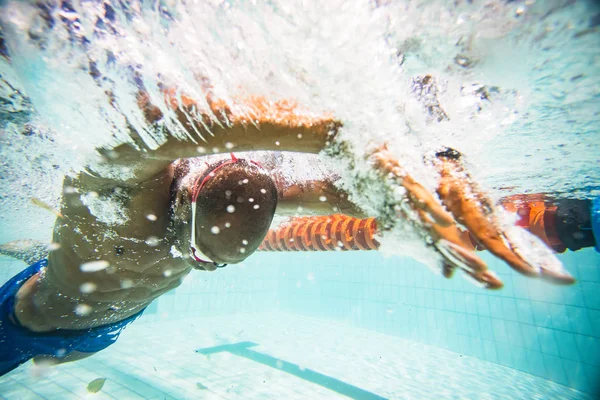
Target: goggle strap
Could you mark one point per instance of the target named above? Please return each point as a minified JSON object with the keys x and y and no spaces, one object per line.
{"x":196,"y":253}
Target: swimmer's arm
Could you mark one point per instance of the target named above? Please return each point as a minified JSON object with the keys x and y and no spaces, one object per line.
{"x":250,"y":124}
{"x":320,"y":197}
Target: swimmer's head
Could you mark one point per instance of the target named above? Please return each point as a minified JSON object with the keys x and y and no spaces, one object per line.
{"x":233,"y":204}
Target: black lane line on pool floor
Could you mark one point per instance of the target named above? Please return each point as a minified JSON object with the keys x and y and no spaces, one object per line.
{"x":242,"y":349}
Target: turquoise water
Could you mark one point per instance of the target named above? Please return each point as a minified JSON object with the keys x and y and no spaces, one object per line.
{"x":375,"y":327}
{"x":344,"y":324}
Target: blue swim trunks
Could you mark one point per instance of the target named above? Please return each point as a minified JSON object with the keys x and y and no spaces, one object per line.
{"x":18,"y":344}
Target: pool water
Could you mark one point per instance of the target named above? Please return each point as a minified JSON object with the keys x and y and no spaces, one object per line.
{"x":307,"y":325}
{"x":346,"y":325}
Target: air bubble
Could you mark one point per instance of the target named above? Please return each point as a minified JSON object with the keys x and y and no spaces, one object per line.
{"x":94,"y":266}
{"x":167,"y":273}
{"x":323,"y":198}
{"x":245,"y":180}
{"x":230,"y":208}
{"x":201,"y":149}
{"x":251,"y":200}
{"x":215,"y":230}
{"x":277,"y":143}
{"x":88,"y":287}
{"x":256,"y":207}
{"x":215,"y":149}
{"x":229,"y":145}
{"x":126,"y":283}
{"x":245,"y":242}
{"x":152,"y":241}
{"x":263,"y":191}
{"x":53,"y":246}
{"x":227,"y":225}
{"x":151,"y":217}
{"x":82,"y":310}
{"x":299,"y":136}
{"x":242,"y":250}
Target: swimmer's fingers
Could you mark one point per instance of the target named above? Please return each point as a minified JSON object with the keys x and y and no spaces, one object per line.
{"x":449,"y":243}
{"x":456,"y":256}
{"x":472,"y":209}
{"x":420,"y":197}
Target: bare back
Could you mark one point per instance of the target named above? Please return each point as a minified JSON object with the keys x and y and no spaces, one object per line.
{"x":114,"y":256}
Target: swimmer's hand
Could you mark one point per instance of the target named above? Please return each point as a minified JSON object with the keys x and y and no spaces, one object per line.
{"x":471,"y":208}
{"x":445,"y":235}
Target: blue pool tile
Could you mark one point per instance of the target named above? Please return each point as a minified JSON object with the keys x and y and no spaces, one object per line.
{"x":489,"y":351}
{"x":452,"y":340}
{"x":473,"y":326}
{"x":524,"y":312}
{"x":588,"y":272}
{"x":477,"y":348}
{"x":592,"y":373}
{"x":576,"y":375}
{"x":580,"y":320}
{"x":509,"y":309}
{"x":499,"y":330}
{"x":451,"y":321}
{"x":529,"y":335}
{"x":462,"y":326}
{"x":496,"y":307}
{"x":513,"y":333}
{"x":463,"y":345}
{"x":487,"y":331}
{"x":555,"y":368}
{"x":520,"y":360}
{"x":594,"y":316}
{"x":520,"y":285}
{"x":430,"y":318}
{"x":588,"y":349}
{"x":536,"y":363}
{"x":439,"y":300}
{"x":560,"y":318}
{"x":429,"y":300}
{"x":470,"y":304}
{"x":591,"y":294}
{"x":567,"y":348}
{"x":504,"y":351}
{"x":573,"y":295}
{"x":459,"y":304}
{"x":541,"y":314}
{"x":483,"y":306}
{"x":449,"y":301}
{"x":438,"y":338}
{"x":547,"y":341}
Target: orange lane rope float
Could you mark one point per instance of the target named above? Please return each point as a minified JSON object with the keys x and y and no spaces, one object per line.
{"x":332,"y":232}
{"x":342,"y":232}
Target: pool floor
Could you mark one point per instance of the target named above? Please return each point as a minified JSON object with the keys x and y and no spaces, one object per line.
{"x":274,"y":356}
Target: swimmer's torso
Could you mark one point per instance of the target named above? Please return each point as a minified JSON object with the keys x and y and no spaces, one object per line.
{"x":115,"y":253}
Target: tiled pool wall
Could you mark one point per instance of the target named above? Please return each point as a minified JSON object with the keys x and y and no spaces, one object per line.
{"x":245,"y":288}
{"x":546,"y":330}
{"x":532,"y":326}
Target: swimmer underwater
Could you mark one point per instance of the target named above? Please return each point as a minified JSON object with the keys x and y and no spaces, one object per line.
{"x":102,"y":277}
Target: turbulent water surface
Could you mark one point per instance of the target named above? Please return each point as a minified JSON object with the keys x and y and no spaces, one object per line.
{"x":514,"y":85}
